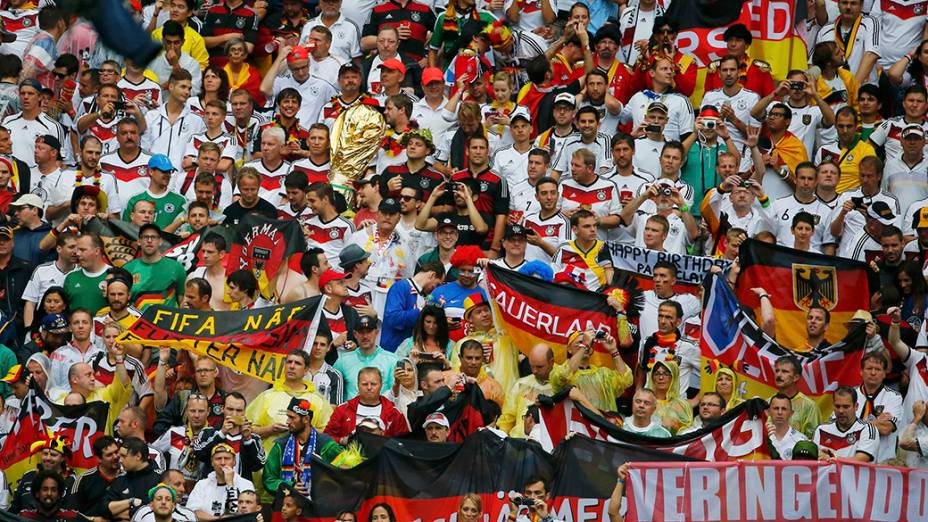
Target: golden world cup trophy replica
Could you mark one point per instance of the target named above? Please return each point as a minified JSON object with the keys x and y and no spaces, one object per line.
{"x":356,"y":136}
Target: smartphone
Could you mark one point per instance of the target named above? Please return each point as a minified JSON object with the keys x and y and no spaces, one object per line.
{"x":425,"y":355}
{"x":400,"y":365}
{"x":652,"y":128}
{"x":600,"y":335}
{"x":797,"y":86}
{"x":119,"y":105}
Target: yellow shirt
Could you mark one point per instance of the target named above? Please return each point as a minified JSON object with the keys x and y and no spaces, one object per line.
{"x":505,"y":365}
{"x":518,"y":399}
{"x":270,"y":406}
{"x":850,"y":165}
{"x":194,"y":45}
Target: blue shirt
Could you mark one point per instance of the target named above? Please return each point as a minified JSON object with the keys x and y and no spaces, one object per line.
{"x":451,"y":296}
{"x":350,"y":363}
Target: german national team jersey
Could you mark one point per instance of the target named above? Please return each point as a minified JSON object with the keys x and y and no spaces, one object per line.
{"x":336,"y":322}
{"x":106,"y":133}
{"x":22,"y":22}
{"x":783,"y":211}
{"x":272,"y":181}
{"x":418,"y":18}
{"x":425,"y":179}
{"x":555,"y":230}
{"x":600,"y":197}
{"x":107,"y":183}
{"x":362,"y":295}
{"x":146,"y":87}
{"x":600,"y":147}
{"x":331,"y":237}
{"x":870,"y":407}
{"x":314,"y":173}
{"x":286,"y":211}
{"x":494,"y":191}
{"x":220,"y":20}
{"x":131,"y":175}
{"x":225,"y":142}
{"x":889,"y":136}
{"x":846,"y":443}
{"x":901,"y":25}
{"x":335,"y":106}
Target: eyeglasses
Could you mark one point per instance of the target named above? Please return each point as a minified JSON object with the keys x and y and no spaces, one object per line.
{"x":661,"y":374}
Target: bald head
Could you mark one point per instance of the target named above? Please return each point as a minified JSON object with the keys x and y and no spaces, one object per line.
{"x":541,"y":360}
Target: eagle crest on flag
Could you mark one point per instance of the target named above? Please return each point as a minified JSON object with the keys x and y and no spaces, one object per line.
{"x":814,"y":286}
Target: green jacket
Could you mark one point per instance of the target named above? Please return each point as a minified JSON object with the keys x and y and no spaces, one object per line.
{"x":326,"y":448}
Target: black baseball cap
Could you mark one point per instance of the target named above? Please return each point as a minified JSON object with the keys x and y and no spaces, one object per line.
{"x":366,"y":322}
{"x":389,"y":206}
{"x":515,"y":230}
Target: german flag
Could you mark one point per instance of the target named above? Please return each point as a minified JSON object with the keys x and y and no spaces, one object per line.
{"x":797,"y":281}
{"x":531,"y":311}
{"x":264,"y":246}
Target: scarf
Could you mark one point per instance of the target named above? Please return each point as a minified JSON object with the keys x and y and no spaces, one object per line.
{"x":869,"y":403}
{"x":236,"y":82}
{"x":848,"y":46}
{"x":458,"y":157}
{"x":667,"y":344}
{"x":292,"y":462}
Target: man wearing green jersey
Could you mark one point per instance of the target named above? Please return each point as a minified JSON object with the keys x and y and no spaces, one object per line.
{"x":85,"y":285}
{"x":168,"y":205}
{"x":155,"y":278}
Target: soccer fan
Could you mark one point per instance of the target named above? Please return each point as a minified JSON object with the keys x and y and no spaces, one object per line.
{"x":327,"y":229}
{"x":755,"y":74}
{"x":888,"y":135}
{"x":638,"y":23}
{"x":847,"y":437}
{"x":862,"y":48}
{"x":250,"y":201}
{"x":172,"y":411}
{"x":312,"y":92}
{"x":590,"y":139}
{"x":783,"y":437}
{"x":217,"y":493}
{"x":272,"y":166}
{"x":902,"y":173}
{"x":177,"y":443}
{"x":676,"y":107}
{"x":805,"y":417}
{"x":346,"y":34}
{"x":82,"y":286}
{"x":642,"y":419}
{"x":601,"y":385}
{"x":733,"y":100}
{"x":367,"y":404}
{"x":585,"y":257}
{"x":784,"y":154}
{"x":526,"y":389}
{"x":848,"y":152}
{"x":849,"y":216}
{"x":659,"y":217}
{"x":811,"y":113}
{"x":303,"y":441}
{"x":803,"y":199}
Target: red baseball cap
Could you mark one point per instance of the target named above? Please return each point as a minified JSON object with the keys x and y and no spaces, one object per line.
{"x":331,"y":275}
{"x":394,"y":64}
{"x":298,"y":53}
{"x":432,"y":74}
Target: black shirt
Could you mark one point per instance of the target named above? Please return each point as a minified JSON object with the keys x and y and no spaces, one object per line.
{"x":235,"y":212}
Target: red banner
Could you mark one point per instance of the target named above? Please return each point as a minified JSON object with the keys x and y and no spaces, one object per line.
{"x":745,"y":491}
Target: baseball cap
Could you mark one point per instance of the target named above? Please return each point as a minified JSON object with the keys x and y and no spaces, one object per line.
{"x":515,"y":230}
{"x":149,"y":226}
{"x":298,"y":53}
{"x":28,"y":200}
{"x":921,"y":218}
{"x":710,"y":111}
{"x":349,"y":66}
{"x":657,"y":106}
{"x":6,"y":232}
{"x":54,"y":323}
{"x":13,"y":375}
{"x":913,"y":130}
{"x":301,"y":407}
{"x":520,"y":112}
{"x":222,"y":446}
{"x":49,"y":140}
{"x":880,"y":211}
{"x":352,"y":254}
{"x":366,"y":322}
{"x":371,"y":423}
{"x":331,"y":275}
{"x":436,"y":418}
{"x":161,"y":162}
{"x":448,"y":222}
{"x":394,"y":64}
{"x":566,"y":97}
{"x":389,"y":206}
{"x":432,"y":74}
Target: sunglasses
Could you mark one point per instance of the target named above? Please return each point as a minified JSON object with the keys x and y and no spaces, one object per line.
{"x":60,"y":75}
{"x":407,"y":198}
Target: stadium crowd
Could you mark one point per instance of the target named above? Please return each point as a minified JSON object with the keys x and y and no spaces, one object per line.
{"x":520,"y":133}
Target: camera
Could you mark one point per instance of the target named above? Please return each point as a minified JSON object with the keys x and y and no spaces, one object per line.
{"x":652,"y":128}
{"x":119,"y":105}
{"x":452,"y":186}
{"x":710,"y":124}
{"x":797,"y":86}
{"x":520,"y":500}
{"x":745,"y":183}
{"x":600,"y":335}
{"x":857,"y":201}
{"x":666,"y":191}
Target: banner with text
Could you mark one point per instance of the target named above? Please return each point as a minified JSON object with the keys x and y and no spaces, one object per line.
{"x":640,"y":261}
{"x":533,"y":311}
{"x":254,"y":342}
{"x":841,"y":490}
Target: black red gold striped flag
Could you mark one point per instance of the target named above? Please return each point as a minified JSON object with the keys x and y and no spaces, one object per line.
{"x":798,"y":280}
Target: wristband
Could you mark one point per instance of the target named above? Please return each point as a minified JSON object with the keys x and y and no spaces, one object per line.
{"x":54,"y":232}
{"x":763,"y":296}
{"x":620,"y":481}
{"x":120,"y":359}
{"x":684,"y":208}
